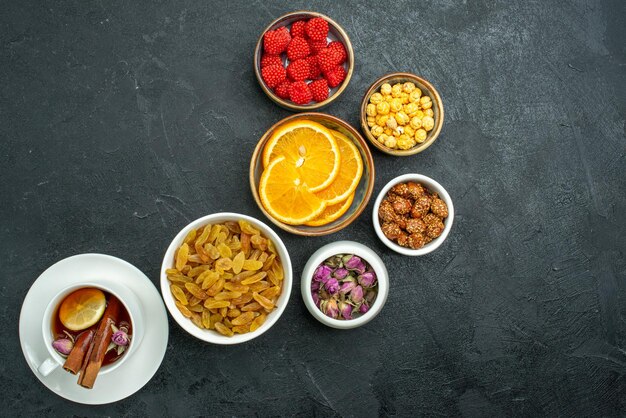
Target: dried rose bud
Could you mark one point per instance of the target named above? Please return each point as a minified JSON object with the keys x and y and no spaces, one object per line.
{"x":322,"y":273}
{"x":332,"y":285}
{"x":63,"y":346}
{"x":330,"y":308}
{"x":352,"y":262}
{"x":367,"y":279}
{"x":340,"y":273}
{"x":334,"y":261}
{"x":346,"y":287}
{"x":119,"y":337}
{"x":346,"y":310}
{"x":356,"y":295}
{"x":370,"y":296}
{"x":315,"y":286}
{"x":316,"y":299}
{"x":364,"y":308}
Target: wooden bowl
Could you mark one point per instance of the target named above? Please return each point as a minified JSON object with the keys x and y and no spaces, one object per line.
{"x":426,"y":88}
{"x":336,"y":33}
{"x":363,"y":191}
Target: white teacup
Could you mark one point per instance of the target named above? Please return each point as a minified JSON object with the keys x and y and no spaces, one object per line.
{"x":121,"y":292}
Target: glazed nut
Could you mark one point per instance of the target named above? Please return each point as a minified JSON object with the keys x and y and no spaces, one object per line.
{"x":381,"y":120}
{"x":409,"y":131}
{"x":385,"y":89}
{"x":420,"y":136}
{"x":382,"y":138}
{"x":371,"y":109}
{"x":396,"y":90}
{"x":416,"y":122}
{"x":376,"y":98}
{"x":426,"y":103}
{"x":382,"y":108}
{"x":405,"y":142}
{"x":402,"y":118}
{"x":428,"y":123}
{"x":392,"y":123}
{"x":410,"y":109}
{"x":371,"y":121}
{"x":408,"y":87}
{"x":395,"y":105}
{"x":415,"y":95}
{"x":390,"y":142}
{"x":429,"y":112}
{"x":377,"y":131}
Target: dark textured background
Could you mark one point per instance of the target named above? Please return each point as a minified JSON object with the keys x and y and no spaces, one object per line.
{"x":121,"y":122}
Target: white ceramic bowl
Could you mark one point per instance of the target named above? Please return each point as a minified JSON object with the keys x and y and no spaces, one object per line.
{"x":345,"y":247}
{"x":431,"y":185}
{"x":212,"y":336}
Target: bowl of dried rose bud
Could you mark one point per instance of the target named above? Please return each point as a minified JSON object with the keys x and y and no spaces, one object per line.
{"x":344,"y":284}
{"x":303,"y":60}
{"x":226,"y":278}
{"x":413,"y":214}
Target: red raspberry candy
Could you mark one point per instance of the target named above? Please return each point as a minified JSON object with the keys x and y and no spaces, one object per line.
{"x":314,"y":69}
{"x":298,"y":70}
{"x":297,"y":28}
{"x":298,"y":48}
{"x":282,"y":90}
{"x":273,"y":75}
{"x":340,"y":49}
{"x":276,"y":41}
{"x":335,"y":76}
{"x":317,"y":29}
{"x":267,"y":60}
{"x":328,"y":58}
{"x":317,"y":46}
{"x":299,"y":93}
{"x":319,"y":89}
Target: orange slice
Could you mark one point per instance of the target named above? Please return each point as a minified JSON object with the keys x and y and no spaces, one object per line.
{"x":349,"y":175}
{"x":285,"y":196}
{"x":82,"y":308}
{"x":310,"y":148}
{"x":332,"y":212}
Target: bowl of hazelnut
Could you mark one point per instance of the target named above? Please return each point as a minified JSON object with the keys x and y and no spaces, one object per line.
{"x":401,"y":114}
{"x":413,"y":214}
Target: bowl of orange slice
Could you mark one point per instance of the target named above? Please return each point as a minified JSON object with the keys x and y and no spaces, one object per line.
{"x":312,"y":174}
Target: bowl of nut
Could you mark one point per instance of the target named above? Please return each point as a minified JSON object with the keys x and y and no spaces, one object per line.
{"x":413,"y":214}
{"x":401,"y":114}
{"x":226,"y":278}
{"x":303,"y":60}
{"x":312,"y":174}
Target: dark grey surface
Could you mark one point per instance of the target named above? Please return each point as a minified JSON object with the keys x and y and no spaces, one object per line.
{"x":121,"y":122}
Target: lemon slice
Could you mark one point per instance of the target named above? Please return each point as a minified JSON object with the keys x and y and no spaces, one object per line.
{"x":82,"y":308}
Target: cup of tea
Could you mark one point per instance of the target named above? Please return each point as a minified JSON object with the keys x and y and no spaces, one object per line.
{"x":129,"y":316}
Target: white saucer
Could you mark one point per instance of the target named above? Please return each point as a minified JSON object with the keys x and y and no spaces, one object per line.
{"x":137,"y":370}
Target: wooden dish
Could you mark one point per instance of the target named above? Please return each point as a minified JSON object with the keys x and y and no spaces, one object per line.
{"x":336,"y":33}
{"x":363,"y":191}
{"x":426,"y":88}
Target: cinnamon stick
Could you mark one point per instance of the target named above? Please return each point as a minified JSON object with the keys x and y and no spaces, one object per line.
{"x":100,"y":343}
{"x":74,"y":361}
{"x":81,"y":373}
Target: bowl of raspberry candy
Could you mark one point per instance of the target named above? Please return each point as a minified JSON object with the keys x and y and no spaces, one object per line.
{"x":303,"y":61}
